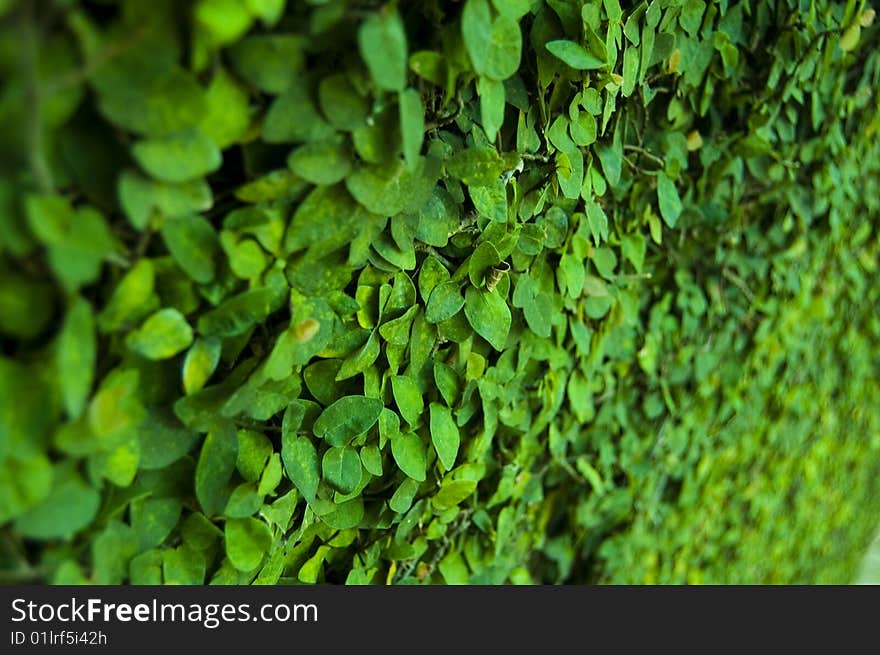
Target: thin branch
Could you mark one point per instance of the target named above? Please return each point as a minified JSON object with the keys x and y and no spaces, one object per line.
{"x":645,"y":153}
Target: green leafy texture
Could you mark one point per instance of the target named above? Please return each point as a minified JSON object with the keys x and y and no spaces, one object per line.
{"x":193,"y":244}
{"x":271,"y":62}
{"x":293,"y":116}
{"x":453,"y":492}
{"x":78,"y":240}
{"x":492,"y":102}
{"x":200,"y":363}
{"x":238,"y":313}
{"x":670,"y":202}
{"x":142,"y":198}
{"x":574,"y":54}
{"x":162,"y":335}
{"x":444,"y":302}
{"x":341,"y":103}
{"x":444,"y":435}
{"x":488,"y":313}
{"x":183,"y":566}
{"x":301,"y":464}
{"x":389,"y":190}
{"x":70,"y":505}
{"x":409,"y":454}
{"x":131,"y":299}
{"x":382,"y":43}
{"x":153,"y":519}
{"x":228,"y":114}
{"x":493,"y":45}
{"x":408,"y":397}
{"x":163,"y":439}
{"x":412,"y":124}
{"x":75,"y":357}
{"x":321,"y":162}
{"x":247,"y":540}
{"x":347,"y":418}
{"x":215,"y":466}
{"x":178,"y":158}
{"x":254,"y":449}
{"x":341,"y":469}
{"x":484,"y":258}
{"x":356,"y":176}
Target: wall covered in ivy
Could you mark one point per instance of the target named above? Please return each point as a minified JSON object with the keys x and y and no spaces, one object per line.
{"x":508,"y":291}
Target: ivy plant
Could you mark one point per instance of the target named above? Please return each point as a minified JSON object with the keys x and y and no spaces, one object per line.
{"x":490,"y":291}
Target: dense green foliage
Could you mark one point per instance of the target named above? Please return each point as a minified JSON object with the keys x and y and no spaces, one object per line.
{"x":439,"y":292}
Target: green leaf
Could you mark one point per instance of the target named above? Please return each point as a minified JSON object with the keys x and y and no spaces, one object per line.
{"x":271,"y":62}
{"x":247,"y":541}
{"x":70,"y":506}
{"x":484,"y":258}
{"x":347,"y":418}
{"x":153,"y":519}
{"x":447,"y":382}
{"x":476,"y":30}
{"x":597,"y":221}
{"x":244,"y":501}
{"x":269,"y":11}
{"x":850,"y":38}
{"x":494,"y":46}
{"x":225,"y":21}
{"x":444,"y":302}
{"x":412,"y":125}
{"x":131,"y":299}
{"x":382,"y":42}
{"x":175,"y":100}
{"x":254,"y":449}
{"x":215,"y":467}
{"x":271,"y":476}
{"x":163,"y":439}
{"x":371,"y":458}
{"x":389,"y":190}
{"x":492,"y":104}
{"x":75,"y":357}
{"x":240,"y":312}
{"x":228,"y":115}
{"x":178,"y":158}
{"x":453,"y":492}
{"x":143,"y":198}
{"x":341,"y":103}
{"x":25,"y":480}
{"x":489,"y":315}
{"x":321,"y":162}
{"x":402,"y":498}
{"x":633,"y":247}
{"x":345,"y":515}
{"x":360,"y":359}
{"x":200,"y":363}
{"x":341,"y":468}
{"x":192,"y":242}
{"x":163,"y":335}
{"x":572,"y":269}
{"x":408,"y":397}
{"x":183,"y":566}
{"x":630,"y":70}
{"x":480,"y":166}
{"x":670,"y":202}
{"x":292,"y":116}
{"x":301,"y":464}
{"x":490,"y":200}
{"x":574,"y":54}
{"x":408,"y":451}
{"x":583,"y":129}
{"x":444,"y":435}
